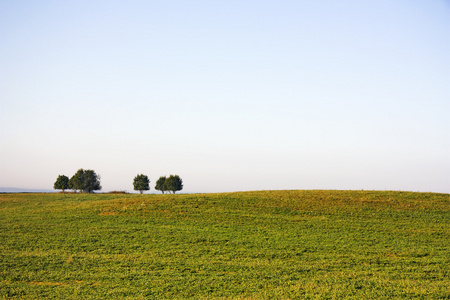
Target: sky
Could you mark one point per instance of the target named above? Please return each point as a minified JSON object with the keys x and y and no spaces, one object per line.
{"x":230,"y":95}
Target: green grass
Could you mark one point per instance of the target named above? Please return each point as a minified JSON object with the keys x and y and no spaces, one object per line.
{"x":250,"y":245}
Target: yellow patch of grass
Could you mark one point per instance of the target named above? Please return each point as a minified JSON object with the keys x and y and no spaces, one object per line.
{"x":109,"y":213}
{"x":47,"y":283}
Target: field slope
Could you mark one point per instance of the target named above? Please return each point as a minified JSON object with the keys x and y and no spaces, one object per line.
{"x":249,"y":245}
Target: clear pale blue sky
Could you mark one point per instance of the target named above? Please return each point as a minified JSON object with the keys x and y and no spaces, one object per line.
{"x":230,"y":95}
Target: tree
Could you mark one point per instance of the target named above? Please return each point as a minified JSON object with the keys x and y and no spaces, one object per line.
{"x":91,"y":181}
{"x":71,"y":185}
{"x":76,"y":181}
{"x":85,"y":180}
{"x":173,"y":183}
{"x":141,"y":183}
{"x":61,"y":183}
{"x":160,"y":184}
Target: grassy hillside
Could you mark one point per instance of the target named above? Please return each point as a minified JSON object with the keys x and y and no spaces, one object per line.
{"x":251,"y":245}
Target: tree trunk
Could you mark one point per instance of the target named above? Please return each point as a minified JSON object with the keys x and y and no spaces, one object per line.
{"x":140,"y":192}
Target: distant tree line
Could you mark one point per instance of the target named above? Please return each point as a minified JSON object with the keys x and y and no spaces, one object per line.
{"x":87,"y":181}
{"x":173,"y":183}
{"x":84,"y":181}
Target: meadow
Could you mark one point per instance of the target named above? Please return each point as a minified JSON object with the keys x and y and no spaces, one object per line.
{"x":300,"y":244}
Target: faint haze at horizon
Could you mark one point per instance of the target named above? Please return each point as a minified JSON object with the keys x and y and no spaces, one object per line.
{"x":231,"y":96}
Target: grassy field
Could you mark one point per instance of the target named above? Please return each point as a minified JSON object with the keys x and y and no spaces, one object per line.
{"x":249,"y":245}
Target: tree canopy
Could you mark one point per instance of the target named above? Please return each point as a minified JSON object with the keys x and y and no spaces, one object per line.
{"x":61,"y":183}
{"x":88,"y":181}
{"x":76,"y":181}
{"x":85,"y":180}
{"x":141,"y":183}
{"x":173,"y":183}
{"x":91,"y":181}
{"x":160,"y":184}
